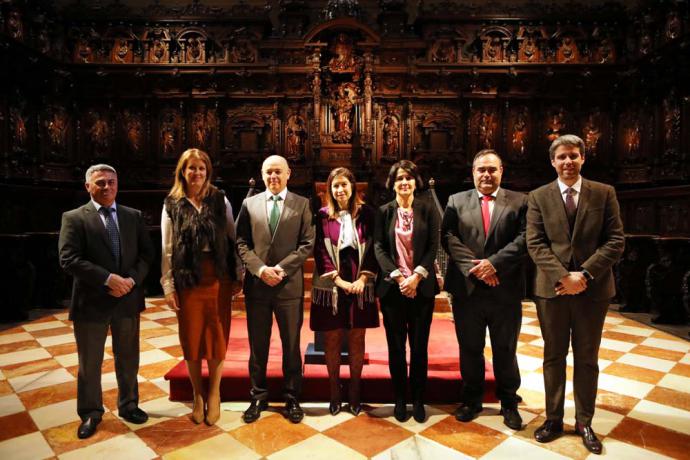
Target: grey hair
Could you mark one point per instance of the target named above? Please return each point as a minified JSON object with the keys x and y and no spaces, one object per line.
{"x":569,"y":140}
{"x":99,"y":167}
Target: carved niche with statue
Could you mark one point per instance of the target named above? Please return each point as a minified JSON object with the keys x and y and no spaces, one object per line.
{"x":389,"y":132}
{"x":296,"y":136}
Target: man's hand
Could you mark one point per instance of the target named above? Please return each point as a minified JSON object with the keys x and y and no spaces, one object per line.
{"x":491,"y":280}
{"x":272,"y":276}
{"x":408,"y":287}
{"x":118,"y":285}
{"x":482,"y":268}
{"x":571,"y":284}
{"x":172,"y":301}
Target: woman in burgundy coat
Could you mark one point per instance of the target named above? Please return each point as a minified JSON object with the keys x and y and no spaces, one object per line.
{"x":343,"y":301}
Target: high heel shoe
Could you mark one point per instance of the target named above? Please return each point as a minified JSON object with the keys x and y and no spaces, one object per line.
{"x":355,"y":409}
{"x":198,"y":409}
{"x":212,"y":410}
{"x":334,"y":408}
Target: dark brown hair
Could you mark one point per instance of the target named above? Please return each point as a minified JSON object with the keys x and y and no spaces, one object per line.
{"x":408,"y":166}
{"x":353,"y":204}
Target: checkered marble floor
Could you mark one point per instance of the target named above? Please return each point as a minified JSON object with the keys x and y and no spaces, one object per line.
{"x":643,"y":407}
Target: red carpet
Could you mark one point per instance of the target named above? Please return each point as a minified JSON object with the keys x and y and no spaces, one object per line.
{"x":444,"y":375}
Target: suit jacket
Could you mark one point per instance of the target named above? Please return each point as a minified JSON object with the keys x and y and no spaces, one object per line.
{"x":85,"y":254}
{"x":289,"y":247}
{"x":596,"y":242}
{"x":425,"y":238}
{"x":462,"y":236}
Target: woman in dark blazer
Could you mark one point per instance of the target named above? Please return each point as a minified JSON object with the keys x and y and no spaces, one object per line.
{"x":405,"y":243}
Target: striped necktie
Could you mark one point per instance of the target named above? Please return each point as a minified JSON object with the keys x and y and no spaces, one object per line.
{"x":113,"y":233}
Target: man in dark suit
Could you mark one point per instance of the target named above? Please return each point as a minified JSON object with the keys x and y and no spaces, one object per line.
{"x":483,"y":231}
{"x":275,"y":235}
{"x":574,"y":236}
{"x":107,"y":249}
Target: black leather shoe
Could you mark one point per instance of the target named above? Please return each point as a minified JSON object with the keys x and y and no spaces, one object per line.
{"x":400,"y":411}
{"x":467,"y":412}
{"x":135,"y":415}
{"x":549,"y":430}
{"x":589,"y":439}
{"x":511,"y":418}
{"x":355,"y":409}
{"x":88,"y":427}
{"x":253,"y":412}
{"x":334,"y":408}
{"x":418,"y":412}
{"x":294,"y":412}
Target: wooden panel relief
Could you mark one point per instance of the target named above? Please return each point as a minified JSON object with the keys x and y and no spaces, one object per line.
{"x":171,"y":133}
{"x":519,"y":127}
{"x":204,"y":128}
{"x":135,"y":132}
{"x":484,"y":128}
{"x":97,"y":133}
{"x":57,"y":134}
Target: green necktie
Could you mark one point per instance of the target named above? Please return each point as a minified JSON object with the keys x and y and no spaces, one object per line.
{"x":275,"y":214}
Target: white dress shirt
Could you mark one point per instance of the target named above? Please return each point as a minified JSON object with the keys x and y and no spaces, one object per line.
{"x":577,"y":186}
{"x":492,"y":203}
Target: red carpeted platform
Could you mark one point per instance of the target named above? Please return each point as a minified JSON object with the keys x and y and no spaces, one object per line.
{"x":444,"y":375}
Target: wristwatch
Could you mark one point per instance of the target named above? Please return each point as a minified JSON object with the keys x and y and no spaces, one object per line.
{"x":587,"y":275}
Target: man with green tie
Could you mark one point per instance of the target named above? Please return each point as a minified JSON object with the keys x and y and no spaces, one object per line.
{"x":275,"y":235}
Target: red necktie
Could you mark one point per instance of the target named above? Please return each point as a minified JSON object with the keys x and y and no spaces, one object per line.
{"x":486,"y":215}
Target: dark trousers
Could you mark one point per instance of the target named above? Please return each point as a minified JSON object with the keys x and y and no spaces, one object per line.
{"x":90,"y":337}
{"x":405,"y":318}
{"x":289,"y":316}
{"x":583,"y":319}
{"x":472,"y":317}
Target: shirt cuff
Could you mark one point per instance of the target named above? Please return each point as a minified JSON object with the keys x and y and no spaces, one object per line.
{"x":107,"y":279}
{"x":261,"y":270}
{"x":421,"y":271}
{"x":395,"y":273}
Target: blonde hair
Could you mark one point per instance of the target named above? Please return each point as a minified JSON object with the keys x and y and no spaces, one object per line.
{"x":353,"y":204}
{"x":179,"y":188}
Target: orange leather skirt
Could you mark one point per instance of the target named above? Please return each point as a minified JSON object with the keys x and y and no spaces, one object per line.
{"x":204,"y":315}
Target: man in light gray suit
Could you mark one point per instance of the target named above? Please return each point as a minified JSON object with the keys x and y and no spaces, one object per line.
{"x":275,"y":235}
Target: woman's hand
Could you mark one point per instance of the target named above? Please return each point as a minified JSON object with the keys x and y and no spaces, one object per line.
{"x":358,"y":286}
{"x":172,"y":301}
{"x":235,"y":287}
{"x":342,"y":284}
{"x":408,"y":287}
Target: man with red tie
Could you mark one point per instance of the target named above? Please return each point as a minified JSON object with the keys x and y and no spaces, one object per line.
{"x":483,"y":231}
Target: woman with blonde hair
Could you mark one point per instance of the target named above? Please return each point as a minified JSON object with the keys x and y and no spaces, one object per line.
{"x":343,"y":301}
{"x":199,"y":274}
